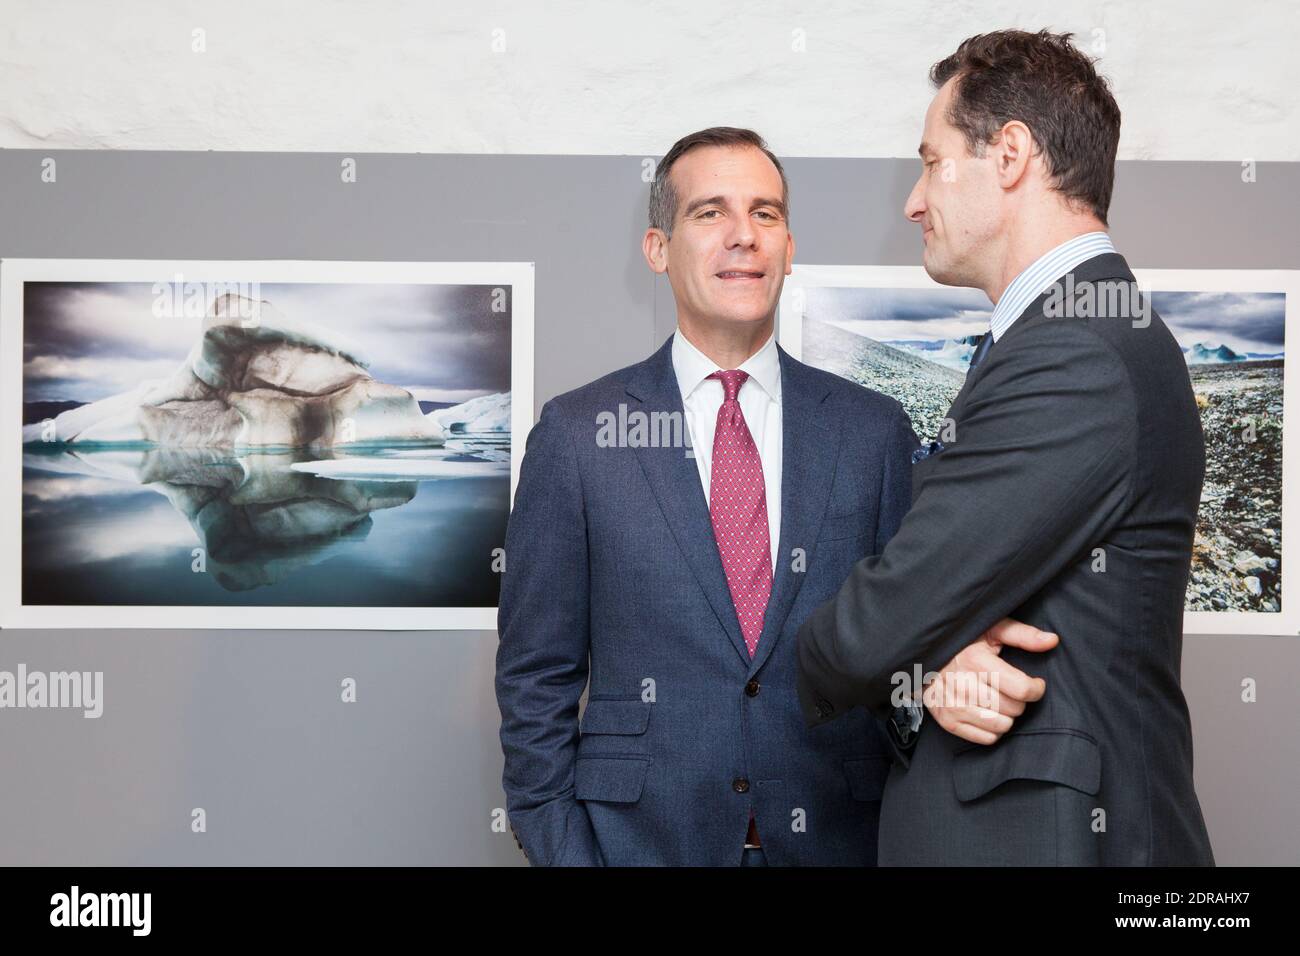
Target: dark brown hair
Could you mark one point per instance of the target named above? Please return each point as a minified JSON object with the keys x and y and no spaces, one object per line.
{"x":1045,"y":82}
{"x":663,"y":198}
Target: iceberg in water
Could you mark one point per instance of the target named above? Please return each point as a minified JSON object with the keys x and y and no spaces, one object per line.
{"x":950,"y":353}
{"x":955,"y":353}
{"x":254,"y":378}
{"x":1203,"y":353}
{"x":483,"y":415}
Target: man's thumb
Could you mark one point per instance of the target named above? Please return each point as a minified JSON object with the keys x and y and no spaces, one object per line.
{"x":1029,"y":638}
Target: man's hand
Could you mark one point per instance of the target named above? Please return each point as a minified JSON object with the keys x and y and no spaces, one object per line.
{"x":977,"y":695}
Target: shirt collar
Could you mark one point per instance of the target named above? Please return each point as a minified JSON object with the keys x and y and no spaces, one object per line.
{"x":693,"y":367}
{"x":1042,"y":273}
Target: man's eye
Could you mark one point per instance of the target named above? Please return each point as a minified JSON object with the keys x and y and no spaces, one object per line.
{"x":767,"y":214}
{"x":708,"y":212}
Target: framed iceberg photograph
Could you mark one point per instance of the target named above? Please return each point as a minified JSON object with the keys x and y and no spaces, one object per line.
{"x":262,"y":444}
{"x":895,"y":330}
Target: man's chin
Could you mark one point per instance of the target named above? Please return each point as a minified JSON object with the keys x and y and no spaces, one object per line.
{"x":742,"y":318}
{"x":940,"y":272}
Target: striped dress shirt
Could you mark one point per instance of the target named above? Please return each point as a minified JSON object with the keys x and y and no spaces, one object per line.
{"x":1042,"y":273}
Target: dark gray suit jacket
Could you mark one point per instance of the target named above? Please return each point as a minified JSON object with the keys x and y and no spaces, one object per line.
{"x":1073,"y":434}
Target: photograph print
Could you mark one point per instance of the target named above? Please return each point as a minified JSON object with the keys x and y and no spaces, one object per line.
{"x":260,"y":444}
{"x":895,"y":330}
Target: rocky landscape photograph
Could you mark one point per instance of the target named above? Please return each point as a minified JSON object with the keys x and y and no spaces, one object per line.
{"x":267,"y":444}
{"x":1234,"y":346}
{"x":915,"y":344}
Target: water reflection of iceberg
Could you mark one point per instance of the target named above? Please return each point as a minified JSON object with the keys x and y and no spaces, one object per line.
{"x":256,"y":516}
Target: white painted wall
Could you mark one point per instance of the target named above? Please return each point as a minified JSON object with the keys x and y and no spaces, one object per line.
{"x":1196,"y":79}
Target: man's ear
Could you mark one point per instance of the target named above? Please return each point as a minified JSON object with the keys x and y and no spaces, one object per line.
{"x":1012,"y":152}
{"x":789,"y":253}
{"x":654,"y":245}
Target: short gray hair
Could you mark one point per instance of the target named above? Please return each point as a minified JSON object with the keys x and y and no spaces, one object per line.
{"x":663,"y":198}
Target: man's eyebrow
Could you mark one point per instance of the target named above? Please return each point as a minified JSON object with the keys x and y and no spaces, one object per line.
{"x":722,"y":201}
{"x":697,"y":203}
{"x":774,"y":203}
{"x":925,"y":148}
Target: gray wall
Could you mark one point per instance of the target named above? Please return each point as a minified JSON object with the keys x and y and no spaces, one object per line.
{"x":248,"y":724}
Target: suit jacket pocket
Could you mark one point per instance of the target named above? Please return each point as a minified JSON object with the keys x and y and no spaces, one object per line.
{"x":608,"y":715}
{"x":1054,"y":755}
{"x":866,"y":776}
{"x":611,"y":779}
{"x":851,"y":525}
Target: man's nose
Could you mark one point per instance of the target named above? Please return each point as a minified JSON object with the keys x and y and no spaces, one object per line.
{"x":914,"y":208}
{"x":742,"y":233}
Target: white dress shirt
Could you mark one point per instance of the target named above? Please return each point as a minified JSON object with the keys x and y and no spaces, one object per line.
{"x":760,"y":402}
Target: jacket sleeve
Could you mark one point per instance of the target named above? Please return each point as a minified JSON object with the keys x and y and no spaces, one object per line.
{"x":1040,"y":469}
{"x":542,"y":658}
{"x":895,"y":500}
{"x":896,"y":487}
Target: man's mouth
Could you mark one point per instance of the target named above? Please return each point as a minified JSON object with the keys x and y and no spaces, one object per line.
{"x":739,"y":275}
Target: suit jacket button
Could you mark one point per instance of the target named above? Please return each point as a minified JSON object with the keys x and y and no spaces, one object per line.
{"x":740,"y":785}
{"x":752,"y":688}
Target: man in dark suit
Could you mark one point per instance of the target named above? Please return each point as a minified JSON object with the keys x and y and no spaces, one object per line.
{"x":674,"y":522}
{"x":1065,"y":495}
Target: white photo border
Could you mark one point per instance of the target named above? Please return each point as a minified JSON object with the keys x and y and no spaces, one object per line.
{"x":520,"y":276}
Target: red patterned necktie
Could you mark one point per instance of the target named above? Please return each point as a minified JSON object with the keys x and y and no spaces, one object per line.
{"x":738,"y":507}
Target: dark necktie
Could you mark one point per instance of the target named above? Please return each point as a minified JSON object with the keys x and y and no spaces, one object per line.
{"x":981,"y":350}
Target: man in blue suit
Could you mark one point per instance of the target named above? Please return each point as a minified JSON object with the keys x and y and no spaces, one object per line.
{"x":675,"y":522}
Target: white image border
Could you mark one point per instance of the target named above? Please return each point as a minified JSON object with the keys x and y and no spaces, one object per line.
{"x":14,"y":272}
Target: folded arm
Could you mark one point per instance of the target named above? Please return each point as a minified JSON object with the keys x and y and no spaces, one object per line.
{"x":1040,"y":469}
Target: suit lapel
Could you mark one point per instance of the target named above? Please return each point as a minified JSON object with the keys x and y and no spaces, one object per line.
{"x":809,"y":453}
{"x":674,"y":479}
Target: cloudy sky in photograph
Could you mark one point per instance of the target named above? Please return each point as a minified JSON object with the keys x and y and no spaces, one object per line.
{"x":86,"y":341}
{"x":1244,"y":321}
{"x":892,"y":314}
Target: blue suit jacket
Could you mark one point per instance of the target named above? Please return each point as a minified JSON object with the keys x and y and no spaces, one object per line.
{"x":612,"y":573}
